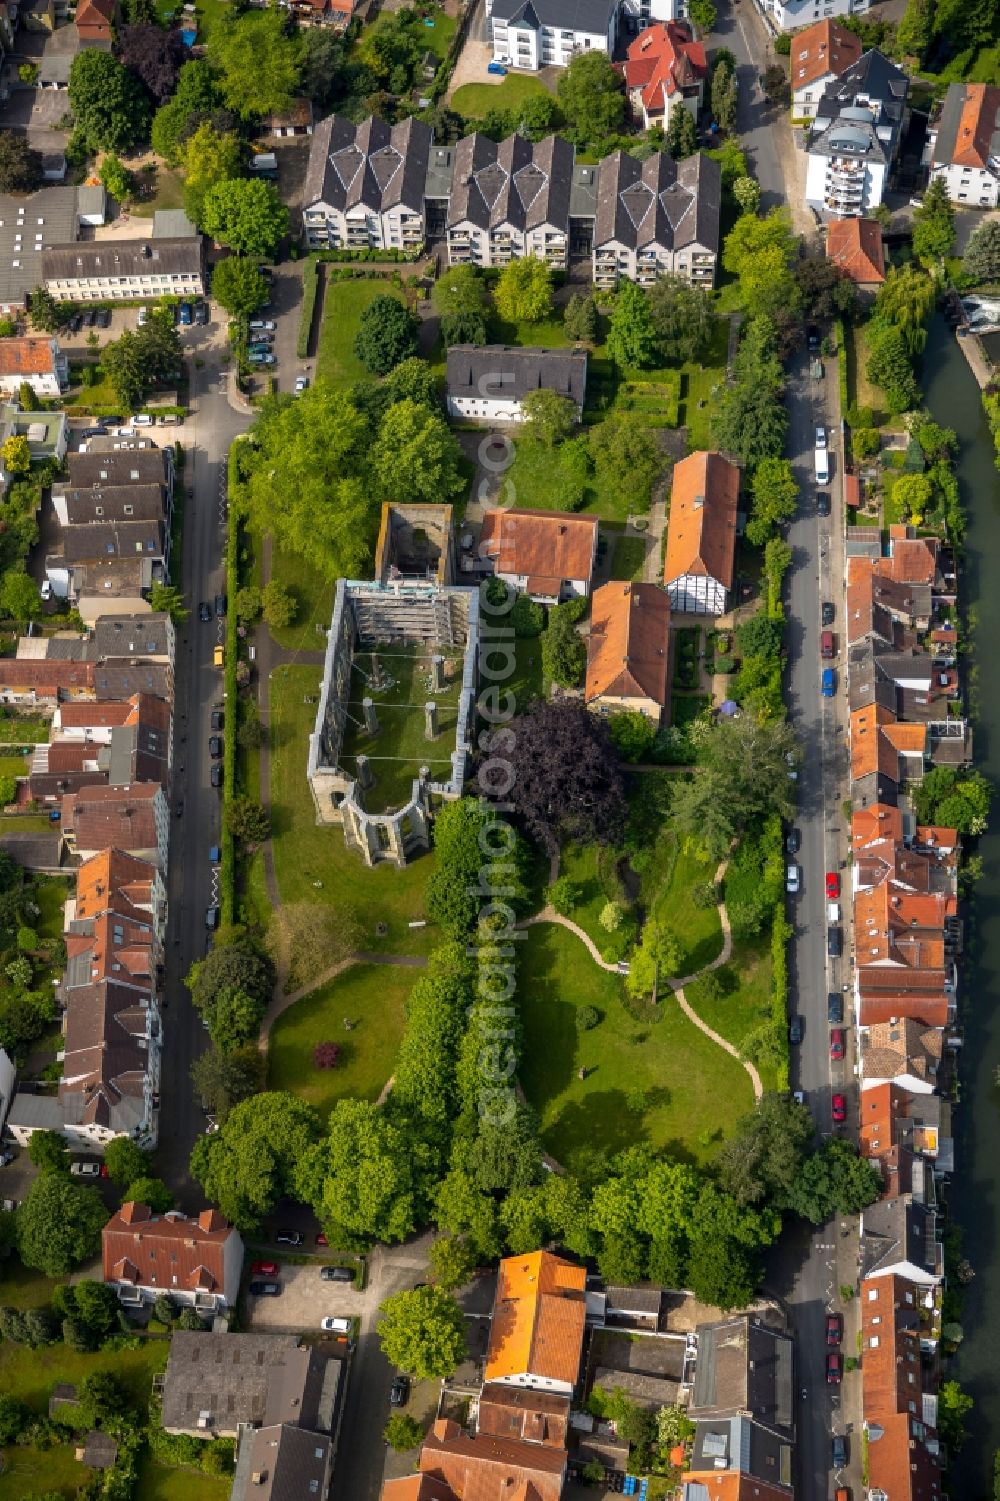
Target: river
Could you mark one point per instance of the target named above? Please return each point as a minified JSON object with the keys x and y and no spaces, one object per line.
{"x":974,"y":1194}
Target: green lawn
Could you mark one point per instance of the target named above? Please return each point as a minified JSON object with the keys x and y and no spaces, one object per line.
{"x":474,"y":100}
{"x":661,"y":1082}
{"x":33,"y":1373}
{"x":746,"y":1006}
{"x":583,"y":865}
{"x":158,"y":1483}
{"x":305,"y":853}
{"x":22,"y":729}
{"x":373,"y":997}
{"x":15,"y":766}
{"x":168,"y":190}
{"x":538,"y":483}
{"x":666,"y":888}
{"x":628,"y":561}
{"x":344,"y":302}
{"x":26,"y":823}
{"x":685,"y":708}
{"x":20,"y":1287}
{"x":313,"y":592}
{"x":700,"y":384}
{"x":34,"y":1471}
{"x":526,"y":681}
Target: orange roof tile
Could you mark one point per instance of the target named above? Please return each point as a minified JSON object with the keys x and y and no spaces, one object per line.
{"x":24,"y":357}
{"x":538,"y":1319}
{"x":976,"y":125}
{"x":663,"y":59}
{"x":880,"y":821}
{"x":820,"y":50}
{"x":628,"y":649}
{"x":913,"y":560}
{"x":549,"y":546}
{"x":701,"y":530}
{"x":492,"y":1469}
{"x":855,"y":245}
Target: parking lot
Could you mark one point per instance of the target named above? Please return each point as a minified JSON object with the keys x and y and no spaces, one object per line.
{"x":304,"y":1300}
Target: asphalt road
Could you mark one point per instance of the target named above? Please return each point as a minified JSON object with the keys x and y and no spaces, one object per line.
{"x":740,"y":29}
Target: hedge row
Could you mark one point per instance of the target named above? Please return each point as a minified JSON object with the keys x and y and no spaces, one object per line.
{"x":781,"y":932}
{"x":310,"y":286}
{"x":227,"y":882}
{"x":377,"y":257}
{"x":838,"y":325}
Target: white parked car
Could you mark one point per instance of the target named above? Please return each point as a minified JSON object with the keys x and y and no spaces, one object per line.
{"x":833,"y":912}
{"x":820,"y":437}
{"x":264,"y":324}
{"x":335,"y":1326}
{"x":46,"y":589}
{"x":301,"y":382}
{"x":143,"y":317}
{"x":793,"y":880}
{"x":143,"y":419}
{"x":85,"y":1169}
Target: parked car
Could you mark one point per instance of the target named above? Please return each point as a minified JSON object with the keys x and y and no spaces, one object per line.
{"x":835,"y":1007}
{"x":834,"y":941}
{"x":46,"y":590}
{"x":6,"y":1157}
{"x":822,"y":504}
{"x":321,"y":1239}
{"x":201,"y":313}
{"x":399,"y":1392}
{"x":838,"y":1109}
{"x":793,"y":770}
{"x":215,"y":747}
{"x":839,"y":1451}
{"x":301,"y":382}
{"x":288,"y":1238}
{"x":335,"y":1274}
{"x":104,"y":317}
{"x":335,"y":1325}
{"x":827,"y":646}
{"x":143,"y":317}
{"x":89,"y":1169}
{"x":812,"y":339}
{"x":837,"y":1044}
{"x":186,"y":314}
{"x":820,"y":435}
{"x":76,"y":323}
{"x":264,"y":324}
{"x":821,"y":463}
{"x":216,"y":777}
{"x":265,"y":1289}
{"x":828,"y":612}
{"x":793,"y":841}
{"x":828,"y":685}
{"x":218,"y":719}
{"x":795,"y":1029}
{"x":261,"y":359}
{"x":214,"y":855}
{"x":834,"y":1328}
{"x":265,"y":1269}
{"x":211,"y":918}
{"x":221,"y":604}
{"x":90,"y":317}
{"x":834,"y":1370}
{"x":833,"y":884}
{"x":792,"y":879}
{"x":204,"y":610}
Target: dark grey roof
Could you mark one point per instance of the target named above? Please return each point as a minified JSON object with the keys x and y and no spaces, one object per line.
{"x":744,"y":1366}
{"x":115,"y":503}
{"x":583,"y":193}
{"x":145,"y":466}
{"x":645,"y":1300}
{"x":895,"y":1230}
{"x":56,"y":208}
{"x":134,"y":636}
{"x":510,"y":374}
{"x":515,"y":182}
{"x":568,"y":15}
{"x":107,"y":258}
{"x":101,"y":540}
{"x":872,"y":90}
{"x":648,"y":1392}
{"x":35,"y":851}
{"x":100,"y":1450}
{"x":373,"y":164}
{"x":244,"y":1378}
{"x":120,"y":679}
{"x":440,"y":167}
{"x":738,"y":1443}
{"x":281,"y":1463}
{"x":853,"y":138}
{"x":946,"y":143}
{"x":659,"y":201}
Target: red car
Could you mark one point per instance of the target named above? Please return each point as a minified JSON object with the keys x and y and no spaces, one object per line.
{"x":321,"y":1239}
{"x":264,"y":1269}
{"x":832,"y":885}
{"x":836,"y":1043}
{"x":838,"y":1105}
{"x":833,"y":1371}
{"x":834,"y":1328}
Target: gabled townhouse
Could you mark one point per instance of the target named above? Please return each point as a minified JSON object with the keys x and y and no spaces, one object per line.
{"x":963,"y":147}
{"x":855,"y":246}
{"x":43,"y":684}
{"x":858,"y":125}
{"x":743,"y":1407}
{"x":657,"y":217}
{"x":96,"y":21}
{"x":196,"y":1261}
{"x":487,"y":1468}
{"x":664,"y":69}
{"x":35,"y":362}
{"x":628,"y":651}
{"x":899,"y":1404}
{"x":365,"y":184}
{"x":510,"y":199}
{"x":819,"y":55}
{"x":108,"y":559}
{"x":488,"y":383}
{"x":895,"y":1121}
{"x":548,"y":554}
{"x":133,"y":818}
{"x":904,"y":963}
{"x":136,"y":883}
{"x":103,"y":744}
{"x":120,"y":678}
{"x":903,"y":1052}
{"x":533,"y":34}
{"x":536,"y":1336}
{"x":701,"y":534}
{"x":135,"y":651}
{"x":899,"y":1235}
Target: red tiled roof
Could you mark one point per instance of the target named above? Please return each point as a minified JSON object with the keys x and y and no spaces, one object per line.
{"x":538,"y":1319}
{"x":548,"y":546}
{"x":492,"y":1469}
{"x":855,"y":245}
{"x":701,"y":531}
{"x":628,"y":649}
{"x":662,"y":60}
{"x":165,"y":1252}
{"x":24,"y":357}
{"x":976,"y":126}
{"x":820,"y":51}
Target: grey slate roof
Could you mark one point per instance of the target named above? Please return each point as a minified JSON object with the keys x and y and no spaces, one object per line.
{"x":290,"y":1463}
{"x":133,"y":636}
{"x":516,"y":182}
{"x":115,"y":503}
{"x":35,"y":851}
{"x":172,"y":224}
{"x":566,"y":15}
{"x":122,"y":467}
{"x":101,"y":540}
{"x":744,"y":1366}
{"x":510,"y":374}
{"x":871,"y":92}
{"x":120,"y":679}
{"x":659,"y":201}
{"x":56,"y":207}
{"x":895,"y":1230}
{"x":106,"y":258}
{"x":244,"y":1378}
{"x":372,"y":164}
{"x":847,"y":136}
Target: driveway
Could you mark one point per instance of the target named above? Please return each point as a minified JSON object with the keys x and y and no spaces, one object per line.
{"x":305,"y":1299}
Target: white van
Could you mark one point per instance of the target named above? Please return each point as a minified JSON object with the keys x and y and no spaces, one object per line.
{"x":822,"y":461}
{"x":833,"y":912}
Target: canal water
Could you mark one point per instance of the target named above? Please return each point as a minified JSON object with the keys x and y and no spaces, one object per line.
{"x":974,"y":1194}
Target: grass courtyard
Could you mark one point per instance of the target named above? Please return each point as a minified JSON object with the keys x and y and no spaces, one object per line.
{"x":661,"y":1082}
{"x":628,"y":557}
{"x":312,"y":862}
{"x":373,"y":998}
{"x":474,"y":100}
{"x":343,"y":304}
{"x":400,"y":748}
{"x":313,"y":593}
{"x":33,"y":1373}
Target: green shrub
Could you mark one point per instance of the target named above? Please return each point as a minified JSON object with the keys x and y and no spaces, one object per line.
{"x":725,"y":664}
{"x":587,"y":1017}
{"x":527,"y":616}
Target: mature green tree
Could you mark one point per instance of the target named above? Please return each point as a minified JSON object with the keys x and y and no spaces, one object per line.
{"x":387,"y":334}
{"x":760,"y":636}
{"x":247,"y":820}
{"x":258,"y":62}
{"x":367,"y":1179}
{"x":307,"y":938}
{"x":253,"y":1160}
{"x":746,"y":191}
{"x":116,"y":179}
{"x":279,"y":604}
{"x":402,"y":1432}
{"x":19,"y":597}
{"x":524,"y":292}
{"x":934,"y":224}
{"x":761,"y":253}
{"x":460,"y":290}
{"x":703,"y":14}
{"x":412,"y":380}
{"x":238,"y":286}
{"x":234,"y":1018}
{"x":425,"y":1088}
{"x":20,"y":164}
{"x":632,"y":734}
{"x":47,"y":315}
{"x":834,"y":1180}
{"x":564,"y":651}
{"x":323,"y":67}
{"x":140,"y":359}
{"x":889,"y":367}
{"x":464,"y":327}
{"x":227,"y":967}
{"x":15,"y":1416}
{"x":244,"y":213}
{"x":16,"y":454}
{"x":762,"y":1159}
{"x":682,"y":134}
{"x":452,"y":1261}
{"x":125,"y":1161}
{"x":981,"y":261}
{"x":310,"y":480}
{"x":59,"y":1225}
{"x":627,"y":459}
{"x":169,"y":599}
{"x":954,"y":799}
{"x":463,"y":831}
{"x":750,"y":421}
{"x":47,"y":1150}
{"x":632,"y":333}
{"x":196,"y":95}
{"x":775,"y":499}
{"x":592,"y":99}
{"x":423,"y":1332}
{"x":824,"y":288}
{"x":775,"y":85}
{"x":724,"y":92}
{"x":153,"y":56}
{"x":905,"y":302}
{"x":210,"y":157}
{"x":743,"y":776}
{"x":547,"y":417}
{"x":110,"y":107}
{"x":683,"y":317}
{"x":151,"y":1191}
{"x":463,"y":1208}
{"x":416,"y":456}
{"x":913,"y":34}
{"x":913,"y":493}
{"x":954,"y":1406}
{"x":223,"y":1080}
{"x":566,"y":775}
{"x":581,"y":319}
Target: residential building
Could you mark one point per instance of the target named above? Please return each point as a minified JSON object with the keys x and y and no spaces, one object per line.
{"x":8,"y":1075}
{"x":536,"y":1336}
{"x":903,"y":1052}
{"x":365,"y":184}
{"x":742,"y":1405}
{"x":855,"y":245}
{"x":28,"y":226}
{"x":488,"y":383}
{"x":533,"y":34}
{"x":103,"y":744}
{"x":655,"y":217}
{"x":132,"y":818}
{"x":855,"y":136}
{"x":787,"y":15}
{"x":819,"y":55}
{"x":510,"y":199}
{"x":35,"y":362}
{"x":244,"y":1384}
{"x":47,"y":433}
{"x":701,"y":534}
{"x":963,"y":148}
{"x":282,"y":1459}
{"x":899,"y":1235}
{"x":110,"y":559}
{"x":296,"y":120}
{"x":196,"y":1261}
{"x":136,"y":886}
{"x":547,"y":554}
{"x":487,"y":1468}
{"x":124,"y":270}
{"x":522,"y":1413}
{"x":131,"y":485}
{"x":31,"y":685}
{"x":900,"y":1404}
{"x":96,"y":21}
{"x":664,"y":68}
{"x":628,"y":651}
{"x":897,"y":1125}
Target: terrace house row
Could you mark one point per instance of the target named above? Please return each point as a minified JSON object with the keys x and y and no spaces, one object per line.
{"x":376,"y":186}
